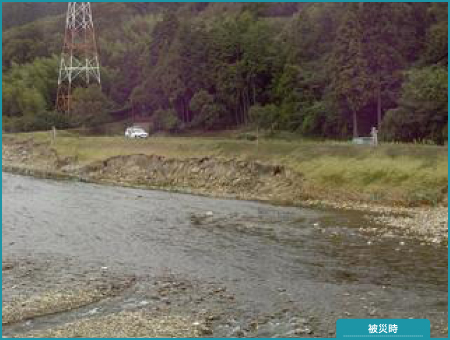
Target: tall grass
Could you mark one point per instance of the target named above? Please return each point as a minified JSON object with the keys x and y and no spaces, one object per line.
{"x":397,"y":171}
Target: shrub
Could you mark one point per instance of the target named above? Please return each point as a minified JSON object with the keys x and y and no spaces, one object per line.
{"x":166,"y":120}
{"x":44,"y":120}
{"x":90,"y":107}
{"x":422,"y":112}
{"x":264,"y":116}
{"x":206,"y":112}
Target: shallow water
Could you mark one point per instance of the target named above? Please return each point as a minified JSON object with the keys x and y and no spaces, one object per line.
{"x":280,"y":261}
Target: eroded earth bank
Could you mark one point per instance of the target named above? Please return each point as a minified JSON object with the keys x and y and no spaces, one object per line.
{"x":226,"y":178}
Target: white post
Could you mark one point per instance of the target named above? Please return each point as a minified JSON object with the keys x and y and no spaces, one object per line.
{"x":54,"y":134}
{"x":374,"y":134}
{"x":257,"y":138}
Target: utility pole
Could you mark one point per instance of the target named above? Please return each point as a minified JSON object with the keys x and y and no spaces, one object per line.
{"x":79,"y":65}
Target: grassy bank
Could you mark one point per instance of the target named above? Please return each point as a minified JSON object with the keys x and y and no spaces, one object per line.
{"x":404,"y":173}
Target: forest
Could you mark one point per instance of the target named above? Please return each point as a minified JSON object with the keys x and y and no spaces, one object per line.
{"x":319,"y":70}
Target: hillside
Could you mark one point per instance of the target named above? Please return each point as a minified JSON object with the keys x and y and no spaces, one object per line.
{"x":212,"y":66}
{"x":18,"y":14}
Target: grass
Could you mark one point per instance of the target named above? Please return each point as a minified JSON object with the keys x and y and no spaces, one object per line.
{"x":396,"y":171}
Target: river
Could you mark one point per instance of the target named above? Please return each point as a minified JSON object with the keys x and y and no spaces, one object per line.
{"x":281,"y":261}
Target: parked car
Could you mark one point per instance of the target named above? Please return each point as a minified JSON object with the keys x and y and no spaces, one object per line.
{"x":135,"y":132}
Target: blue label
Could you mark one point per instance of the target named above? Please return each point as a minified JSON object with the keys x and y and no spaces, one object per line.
{"x":383,"y":328}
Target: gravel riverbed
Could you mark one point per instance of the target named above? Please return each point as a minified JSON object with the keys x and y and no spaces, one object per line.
{"x":88,"y":260}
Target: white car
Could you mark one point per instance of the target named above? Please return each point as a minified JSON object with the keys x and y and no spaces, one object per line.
{"x":135,"y":132}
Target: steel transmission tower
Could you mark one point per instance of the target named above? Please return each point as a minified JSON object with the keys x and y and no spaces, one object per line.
{"x":79,"y":64}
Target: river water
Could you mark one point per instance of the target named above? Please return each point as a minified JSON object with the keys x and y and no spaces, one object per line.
{"x":275,"y":260}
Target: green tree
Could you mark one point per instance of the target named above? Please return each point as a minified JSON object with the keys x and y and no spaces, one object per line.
{"x":300,"y":89}
{"x":264,"y":117}
{"x":90,"y":107}
{"x":205,"y":111}
{"x":388,"y":33}
{"x":423,"y":107}
{"x":351,"y":81}
{"x":166,"y":120}
{"x":437,"y":35}
{"x":323,"y":68}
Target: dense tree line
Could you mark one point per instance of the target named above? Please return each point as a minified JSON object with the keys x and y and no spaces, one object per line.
{"x":16,"y":14}
{"x":319,"y":69}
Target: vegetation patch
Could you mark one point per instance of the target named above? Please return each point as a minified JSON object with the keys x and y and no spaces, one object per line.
{"x":404,"y":174}
{"x":321,"y":70}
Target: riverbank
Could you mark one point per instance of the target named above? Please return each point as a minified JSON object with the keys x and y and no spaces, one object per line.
{"x":80,"y":258}
{"x":72,"y":297}
{"x":404,"y":186}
